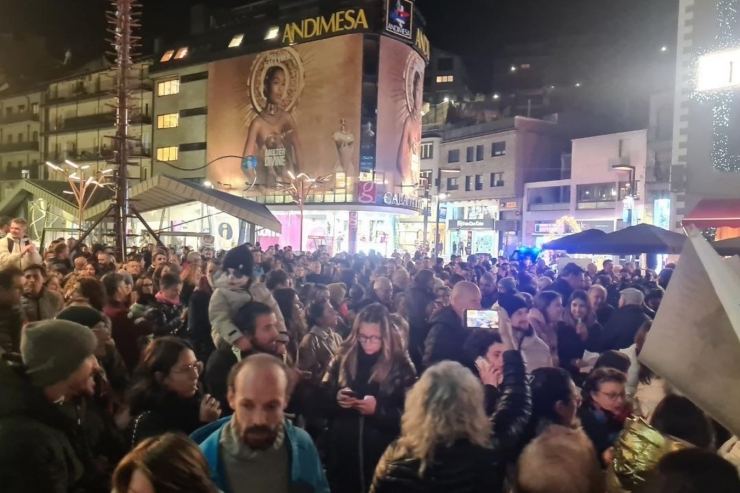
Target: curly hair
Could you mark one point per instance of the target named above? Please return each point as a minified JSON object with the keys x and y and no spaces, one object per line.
{"x":444,"y":406}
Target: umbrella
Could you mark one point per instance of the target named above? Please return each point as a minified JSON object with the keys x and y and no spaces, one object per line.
{"x":727,"y":248}
{"x":643,"y":238}
{"x":574,"y":243}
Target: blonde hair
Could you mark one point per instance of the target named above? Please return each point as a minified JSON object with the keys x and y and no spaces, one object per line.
{"x":445,"y":405}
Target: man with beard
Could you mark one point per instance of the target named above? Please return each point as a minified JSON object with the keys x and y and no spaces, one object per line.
{"x":39,"y":446}
{"x":258,"y":324}
{"x":257,"y":450}
{"x":489,"y":294}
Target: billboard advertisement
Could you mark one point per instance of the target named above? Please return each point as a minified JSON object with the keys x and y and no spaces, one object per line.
{"x":286,"y":111}
{"x":400,"y":100}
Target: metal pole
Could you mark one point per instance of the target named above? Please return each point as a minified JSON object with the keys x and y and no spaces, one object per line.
{"x":426,"y":222}
{"x":301,"y":197}
{"x":437,"y":253}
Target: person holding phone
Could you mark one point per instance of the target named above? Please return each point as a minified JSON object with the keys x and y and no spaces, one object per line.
{"x":364,"y":390}
{"x":17,"y":249}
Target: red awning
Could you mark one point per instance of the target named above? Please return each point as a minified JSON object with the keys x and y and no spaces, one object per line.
{"x":715,"y":213}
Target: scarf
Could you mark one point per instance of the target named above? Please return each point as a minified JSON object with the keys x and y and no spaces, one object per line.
{"x":164,"y":299}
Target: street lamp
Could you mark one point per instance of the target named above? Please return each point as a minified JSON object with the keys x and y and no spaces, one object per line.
{"x":439,"y":199}
{"x":83,"y":186}
{"x":299,"y":187}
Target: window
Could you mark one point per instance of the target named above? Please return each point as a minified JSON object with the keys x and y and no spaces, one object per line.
{"x":498,"y":149}
{"x":425,"y":178}
{"x":601,"y":192}
{"x":9,"y":110}
{"x":193,"y":77}
{"x":445,"y":64}
{"x":167,"y":153}
{"x":193,"y":112}
{"x":35,"y":108}
{"x":453,"y":156}
{"x":195,"y":146}
{"x":181,"y":53}
{"x":479,"y":150}
{"x":236,"y":41}
{"x":443,"y":79}
{"x":36,"y":136}
{"x":170,"y":120}
{"x":452,"y":183}
{"x":470,"y":154}
{"x":21,"y":108}
{"x":479,"y":182}
{"x":497,"y":180}
{"x":20,"y":137}
{"x":169,"y":87}
{"x":427,"y":150}
{"x":167,"y":56}
{"x":10,"y":138}
{"x":468,"y":183}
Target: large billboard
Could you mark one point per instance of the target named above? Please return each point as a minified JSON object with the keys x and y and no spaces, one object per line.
{"x":286,"y":111}
{"x":400,"y":100}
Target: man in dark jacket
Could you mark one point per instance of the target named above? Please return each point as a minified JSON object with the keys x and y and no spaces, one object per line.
{"x":37,"y":302}
{"x":571,"y":278}
{"x":199,"y":324}
{"x":258,"y":323}
{"x":620,"y":330}
{"x":39,"y":447}
{"x":447,"y":336}
{"x":11,"y":317}
{"x":60,"y":261}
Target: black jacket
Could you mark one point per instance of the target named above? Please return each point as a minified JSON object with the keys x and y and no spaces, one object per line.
{"x":463,"y":467}
{"x":620,"y":330}
{"x":562,"y":287}
{"x":571,"y":346}
{"x":199,"y":324}
{"x":167,"y":318}
{"x":355,"y":443}
{"x":604,"y":313}
{"x":219,"y":364}
{"x":167,"y":413}
{"x":11,"y":324}
{"x":417,"y":300}
{"x":601,"y":427}
{"x":445,"y":340}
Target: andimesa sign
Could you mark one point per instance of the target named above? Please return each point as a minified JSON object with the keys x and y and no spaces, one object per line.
{"x":315,"y":27}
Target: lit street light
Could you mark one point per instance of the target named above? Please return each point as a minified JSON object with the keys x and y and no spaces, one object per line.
{"x":299,"y":187}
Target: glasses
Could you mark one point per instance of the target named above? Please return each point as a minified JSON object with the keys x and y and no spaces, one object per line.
{"x":196,"y":367}
{"x":614,"y":397}
{"x":147,"y":285}
{"x":371,"y":339}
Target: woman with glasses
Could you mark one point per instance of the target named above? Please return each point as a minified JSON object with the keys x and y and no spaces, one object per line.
{"x":143,"y":297}
{"x":365,"y":386}
{"x":604,"y":409}
{"x":166,"y":395}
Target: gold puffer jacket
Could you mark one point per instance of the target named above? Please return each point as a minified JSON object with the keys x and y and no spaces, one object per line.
{"x":638,"y":450}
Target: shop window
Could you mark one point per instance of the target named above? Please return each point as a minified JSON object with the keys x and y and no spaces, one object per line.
{"x":167,"y":153}
{"x":427,"y":150}
{"x":470,"y":154}
{"x":497,"y":180}
{"x":453,"y":156}
{"x":479,"y":150}
{"x":468,"y":183}
{"x":452,"y":184}
{"x":479,"y":182}
{"x":168,"y":88}
{"x":498,"y":149}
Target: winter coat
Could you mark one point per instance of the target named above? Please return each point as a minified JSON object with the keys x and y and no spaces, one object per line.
{"x":159,"y":415}
{"x":535,"y":352}
{"x":571,"y":346}
{"x":316,"y":351}
{"x":464,"y":467}
{"x":619,"y":332}
{"x":167,"y":318}
{"x":39,"y":450}
{"x":218,"y":366}
{"x":306,"y":471}
{"x":604,"y":313}
{"x":561,"y":287}
{"x":199,"y":325}
{"x":11,"y":324}
{"x":10,"y":254}
{"x":355,"y":442}
{"x":224,"y":305}
{"x":45,"y":306}
{"x":129,"y":334}
{"x":545,"y":331}
{"x":445,"y":340}
{"x":601,"y":426}
{"x":419,"y":327}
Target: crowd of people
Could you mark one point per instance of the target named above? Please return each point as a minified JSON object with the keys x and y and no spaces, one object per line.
{"x":253,"y":371}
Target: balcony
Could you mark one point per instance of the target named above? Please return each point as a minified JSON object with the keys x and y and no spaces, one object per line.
{"x":92,"y":122}
{"x":22,"y":116}
{"x":82,"y":93}
{"x":29,"y":145}
{"x":20,"y":174}
{"x":97,"y":154}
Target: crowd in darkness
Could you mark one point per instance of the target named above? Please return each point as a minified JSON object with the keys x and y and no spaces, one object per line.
{"x":275,"y":371}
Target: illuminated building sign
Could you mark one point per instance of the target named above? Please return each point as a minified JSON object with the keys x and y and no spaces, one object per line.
{"x":315,"y":27}
{"x":422,"y":44}
{"x":719,"y":70}
{"x":399,"y":17}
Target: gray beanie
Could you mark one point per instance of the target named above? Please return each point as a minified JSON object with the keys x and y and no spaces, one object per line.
{"x":52,"y":350}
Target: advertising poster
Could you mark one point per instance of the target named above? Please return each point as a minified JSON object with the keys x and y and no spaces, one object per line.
{"x":400,"y":100}
{"x":291,"y":110}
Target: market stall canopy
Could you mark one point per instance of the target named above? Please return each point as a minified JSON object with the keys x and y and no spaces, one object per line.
{"x":575,"y":243}
{"x":727,"y":248}
{"x":165,"y":191}
{"x":714,"y":213}
{"x":53,"y":192}
{"x":643,"y":238}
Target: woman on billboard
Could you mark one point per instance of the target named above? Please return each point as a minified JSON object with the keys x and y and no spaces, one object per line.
{"x":408,"y":160}
{"x":272,"y":148}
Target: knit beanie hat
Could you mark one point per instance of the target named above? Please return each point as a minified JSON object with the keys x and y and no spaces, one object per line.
{"x":83,"y":315}
{"x":52,"y":350}
{"x":512,"y":303}
{"x":239,"y":259}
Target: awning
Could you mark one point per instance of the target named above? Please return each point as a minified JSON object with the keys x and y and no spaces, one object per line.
{"x":575,"y":243}
{"x":714,"y":213}
{"x":165,"y":191}
{"x":53,"y":193}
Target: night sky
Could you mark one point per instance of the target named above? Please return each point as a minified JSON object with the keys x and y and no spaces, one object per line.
{"x":637,"y":25}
